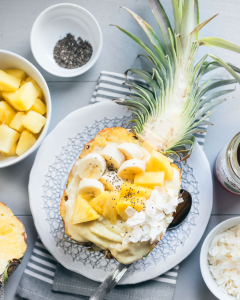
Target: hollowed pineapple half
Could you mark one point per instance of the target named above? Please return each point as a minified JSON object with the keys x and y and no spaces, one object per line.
{"x":105,"y":181}
{"x":12,"y":242}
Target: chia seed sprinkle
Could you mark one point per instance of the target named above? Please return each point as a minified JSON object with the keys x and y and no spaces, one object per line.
{"x":70,"y":53}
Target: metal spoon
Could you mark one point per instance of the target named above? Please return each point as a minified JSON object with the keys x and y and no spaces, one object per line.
{"x":109,"y":283}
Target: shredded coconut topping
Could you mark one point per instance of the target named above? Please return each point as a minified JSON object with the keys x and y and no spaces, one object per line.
{"x":224,"y":261}
{"x":151,"y":223}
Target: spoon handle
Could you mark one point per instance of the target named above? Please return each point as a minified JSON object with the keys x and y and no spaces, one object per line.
{"x":110,"y":282}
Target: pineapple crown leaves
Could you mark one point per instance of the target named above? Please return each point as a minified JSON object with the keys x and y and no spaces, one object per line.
{"x":169,"y":105}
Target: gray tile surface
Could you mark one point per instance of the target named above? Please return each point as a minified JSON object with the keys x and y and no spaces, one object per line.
{"x":118,"y":54}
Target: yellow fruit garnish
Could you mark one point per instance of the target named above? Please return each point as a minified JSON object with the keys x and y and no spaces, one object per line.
{"x":159,"y":162}
{"x":129,"y":190}
{"x":138,"y":203}
{"x":83,"y":212}
{"x":150,"y":179}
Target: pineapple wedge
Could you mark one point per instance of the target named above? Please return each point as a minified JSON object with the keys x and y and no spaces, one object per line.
{"x":9,"y":97}
{"x":138,"y":203}
{"x":40,"y":92}
{"x":34,"y":121}
{"x":150,"y":179}
{"x":159,"y":162}
{"x":83,"y":212}
{"x":8,"y":138}
{"x":17,"y":121}
{"x":25,"y":97}
{"x":17,"y":73}
{"x":11,"y":152}
{"x":39,"y":107}
{"x":8,"y":82}
{"x":7,"y":113}
{"x":105,"y":205}
{"x":26,"y":141}
{"x":12,"y":242}
{"x":129,"y":190}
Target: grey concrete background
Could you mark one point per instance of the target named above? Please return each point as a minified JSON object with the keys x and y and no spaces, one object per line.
{"x":118,"y":54}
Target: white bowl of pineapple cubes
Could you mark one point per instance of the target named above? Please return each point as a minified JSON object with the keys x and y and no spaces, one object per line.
{"x":25,"y":108}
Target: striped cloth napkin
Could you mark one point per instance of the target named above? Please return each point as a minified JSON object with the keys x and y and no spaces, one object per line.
{"x":44,"y":278}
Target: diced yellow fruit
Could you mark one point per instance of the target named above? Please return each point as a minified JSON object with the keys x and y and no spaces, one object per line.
{"x":159,"y":162}
{"x":25,"y":97}
{"x":30,"y":79}
{"x":7,"y":113}
{"x":150,"y":179}
{"x":39,"y":107}
{"x":8,"y":138}
{"x":17,"y":121}
{"x":11,"y":152}
{"x":138,"y":203}
{"x":129,"y":190}
{"x":8,"y":82}
{"x":17,"y":73}
{"x":105,"y":205}
{"x":26,"y":141}
{"x":22,"y":83}
{"x":9,"y":96}
{"x":83,"y":212}
{"x":34,"y":121}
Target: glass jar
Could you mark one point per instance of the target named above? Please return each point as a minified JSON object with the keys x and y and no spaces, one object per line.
{"x":227,"y":169}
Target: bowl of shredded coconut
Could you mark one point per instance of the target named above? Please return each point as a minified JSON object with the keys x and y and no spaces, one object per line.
{"x":220,"y":260}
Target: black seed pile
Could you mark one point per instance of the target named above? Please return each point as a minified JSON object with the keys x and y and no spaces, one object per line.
{"x":70,"y":53}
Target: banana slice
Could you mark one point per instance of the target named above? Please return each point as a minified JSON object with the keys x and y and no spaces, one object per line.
{"x":113,"y":156}
{"x":91,"y":166}
{"x":146,"y":154}
{"x":90,"y":188}
{"x":131,"y":167}
{"x":111,"y":181}
{"x":131,"y":151}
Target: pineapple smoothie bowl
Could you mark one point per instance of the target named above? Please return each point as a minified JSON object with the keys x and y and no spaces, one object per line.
{"x":120,"y":196}
{"x":25,"y":108}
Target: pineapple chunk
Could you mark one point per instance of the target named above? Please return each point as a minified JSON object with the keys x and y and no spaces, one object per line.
{"x":30,"y":79}
{"x":138,"y":203}
{"x":9,"y":96}
{"x":83,"y":212}
{"x":17,"y":73}
{"x":8,"y":138}
{"x":17,"y":121}
{"x":25,"y":97}
{"x":22,"y":83}
{"x":129,"y":190}
{"x":39,"y":107}
{"x":8,"y":82}
{"x":105,"y":205}
{"x":26,"y":141}
{"x":7,"y":113}
{"x":150,"y":179}
{"x":11,"y":152}
{"x":159,"y":162}
{"x":34,"y":121}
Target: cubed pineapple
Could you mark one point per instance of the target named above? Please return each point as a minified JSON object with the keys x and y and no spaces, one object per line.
{"x":138,"y":203}
{"x":83,"y":212}
{"x":22,"y":83}
{"x":8,"y":82}
{"x":150,"y":179}
{"x":30,"y":79}
{"x":159,"y":162}
{"x":129,"y":190}
{"x":25,"y":97}
{"x":39,"y":107}
{"x":7,"y":113}
{"x":11,"y":152}
{"x":8,"y":137}
{"x":9,"y":96}
{"x":26,"y":141}
{"x":17,"y":73}
{"x":17,"y":121}
{"x":34,"y":121}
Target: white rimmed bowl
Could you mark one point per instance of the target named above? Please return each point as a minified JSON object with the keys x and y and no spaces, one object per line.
{"x":11,"y":60}
{"x":206,"y":274}
{"x":53,"y":24}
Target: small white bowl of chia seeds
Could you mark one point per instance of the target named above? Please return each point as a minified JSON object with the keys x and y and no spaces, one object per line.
{"x":66,"y":40}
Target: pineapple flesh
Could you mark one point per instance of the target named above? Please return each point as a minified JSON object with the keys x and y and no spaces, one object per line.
{"x":13,"y":243}
{"x":102,"y":220}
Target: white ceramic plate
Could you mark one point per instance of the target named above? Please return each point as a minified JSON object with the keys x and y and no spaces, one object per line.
{"x":47,"y":182}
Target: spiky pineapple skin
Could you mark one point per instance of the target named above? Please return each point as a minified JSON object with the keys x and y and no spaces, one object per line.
{"x":115,"y":134}
{"x":13,"y":263}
